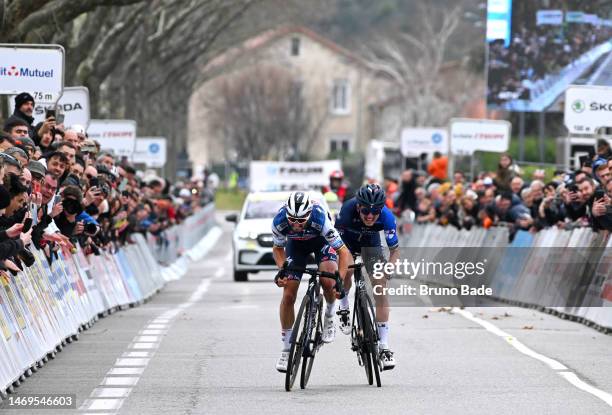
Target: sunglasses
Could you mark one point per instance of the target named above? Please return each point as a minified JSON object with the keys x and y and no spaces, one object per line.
{"x":300,"y":221}
{"x":366,"y":211}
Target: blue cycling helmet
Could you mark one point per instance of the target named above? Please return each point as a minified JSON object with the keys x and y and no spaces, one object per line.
{"x":371,"y":195}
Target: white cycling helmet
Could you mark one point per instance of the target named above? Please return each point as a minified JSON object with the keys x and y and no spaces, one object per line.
{"x":299,"y":205}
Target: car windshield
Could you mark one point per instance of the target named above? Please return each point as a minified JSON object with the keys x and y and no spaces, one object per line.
{"x":262,"y":209}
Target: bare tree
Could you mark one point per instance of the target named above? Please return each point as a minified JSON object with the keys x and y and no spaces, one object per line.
{"x":264,"y":114}
{"x":428,"y":94}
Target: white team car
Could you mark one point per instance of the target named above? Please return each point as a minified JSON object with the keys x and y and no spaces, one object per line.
{"x":252,"y":238}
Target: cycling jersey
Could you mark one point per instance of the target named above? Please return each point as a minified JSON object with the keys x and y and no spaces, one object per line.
{"x":357,"y":235}
{"x":319,"y":237}
{"x":318,"y":225}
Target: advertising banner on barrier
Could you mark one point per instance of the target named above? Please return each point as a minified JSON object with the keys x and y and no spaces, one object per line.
{"x":587,"y":108}
{"x":274,"y":176}
{"x":468,"y":135}
{"x":150,"y":151}
{"x":71,"y":109}
{"x":416,"y":141}
{"x":116,"y":135}
{"x":549,"y":17}
{"x":36,"y":69}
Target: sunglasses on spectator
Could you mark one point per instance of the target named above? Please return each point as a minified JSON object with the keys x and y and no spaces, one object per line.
{"x":300,"y":221}
{"x":365,"y":211}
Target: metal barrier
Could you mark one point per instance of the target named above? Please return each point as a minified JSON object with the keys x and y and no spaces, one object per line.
{"x":576,"y":273}
{"x":46,"y":306}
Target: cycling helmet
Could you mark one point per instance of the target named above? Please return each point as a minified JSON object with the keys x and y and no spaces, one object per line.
{"x":371,"y":195}
{"x":299,"y":205}
{"x":336,"y":174}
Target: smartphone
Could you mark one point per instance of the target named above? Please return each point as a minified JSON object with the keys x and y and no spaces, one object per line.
{"x":94,"y":182}
{"x":599,"y":193}
{"x":59,"y":119}
{"x":57,"y":199}
{"x":49,"y":113}
{"x":27,"y":224}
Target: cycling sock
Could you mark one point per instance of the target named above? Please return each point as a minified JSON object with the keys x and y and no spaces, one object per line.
{"x":383,"y":333}
{"x":330,"y":310}
{"x":344,"y":303}
{"x":286,"y":337}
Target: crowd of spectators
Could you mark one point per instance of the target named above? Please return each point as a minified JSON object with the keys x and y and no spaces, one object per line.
{"x":508,"y":198}
{"x":59,"y":190}
{"x":535,"y":52}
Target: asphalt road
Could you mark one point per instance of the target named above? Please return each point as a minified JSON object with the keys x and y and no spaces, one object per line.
{"x":208,"y":345}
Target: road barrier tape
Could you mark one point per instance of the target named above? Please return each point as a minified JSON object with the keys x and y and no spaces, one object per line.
{"x":46,"y":306}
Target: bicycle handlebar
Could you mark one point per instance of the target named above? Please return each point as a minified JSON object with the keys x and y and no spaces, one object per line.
{"x":315,"y":272}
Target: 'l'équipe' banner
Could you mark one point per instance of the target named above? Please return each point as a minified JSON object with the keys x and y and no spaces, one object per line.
{"x":116,"y":135}
{"x":36,"y":69}
{"x":468,"y":135}
{"x":73,"y":105}
{"x":275,"y":176}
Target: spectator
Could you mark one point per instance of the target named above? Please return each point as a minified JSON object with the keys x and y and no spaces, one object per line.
{"x":22,"y":115}
{"x":505,"y":173}
{"x":17,"y":128}
{"x":438,"y":166}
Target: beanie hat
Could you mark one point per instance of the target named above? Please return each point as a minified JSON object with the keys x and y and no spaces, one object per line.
{"x":22,"y":99}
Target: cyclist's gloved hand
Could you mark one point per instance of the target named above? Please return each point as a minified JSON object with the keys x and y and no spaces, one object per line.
{"x":281,"y":277}
{"x":339,"y":286}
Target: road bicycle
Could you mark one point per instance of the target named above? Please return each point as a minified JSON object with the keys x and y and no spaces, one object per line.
{"x":308,"y":327}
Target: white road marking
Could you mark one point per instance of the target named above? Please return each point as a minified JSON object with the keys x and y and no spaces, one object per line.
{"x":136,"y":354}
{"x":561,"y":369}
{"x":126,"y":371}
{"x":134,"y":362}
{"x":151,"y":332}
{"x":120,"y":381}
{"x":111,"y":392}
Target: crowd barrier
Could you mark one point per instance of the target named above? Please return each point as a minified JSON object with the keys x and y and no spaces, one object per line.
{"x":572,"y":280}
{"x":46,"y":306}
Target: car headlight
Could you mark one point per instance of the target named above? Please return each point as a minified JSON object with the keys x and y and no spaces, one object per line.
{"x":246,"y":234}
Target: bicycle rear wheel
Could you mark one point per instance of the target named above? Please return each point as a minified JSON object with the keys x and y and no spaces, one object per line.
{"x":312,"y":340}
{"x":297,"y":347}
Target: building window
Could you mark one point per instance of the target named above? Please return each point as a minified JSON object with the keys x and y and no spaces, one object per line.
{"x":340,"y":143}
{"x":341,"y":97}
{"x":295,"y":46}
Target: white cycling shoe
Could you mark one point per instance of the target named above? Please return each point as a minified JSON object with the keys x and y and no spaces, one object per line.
{"x":329,"y":330}
{"x":387,"y":359}
{"x":283,"y":361}
{"x":345,"y":320}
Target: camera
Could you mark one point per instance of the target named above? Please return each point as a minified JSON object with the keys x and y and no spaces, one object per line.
{"x":90,"y":229}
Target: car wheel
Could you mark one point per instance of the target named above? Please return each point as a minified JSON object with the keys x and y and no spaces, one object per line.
{"x":241,"y":276}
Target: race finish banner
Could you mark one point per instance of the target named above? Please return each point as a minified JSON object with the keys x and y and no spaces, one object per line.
{"x":36,"y":69}
{"x":587,"y":108}
{"x":119,"y":136}
{"x":416,"y":141}
{"x":151,"y":151}
{"x":71,"y":109}
{"x":468,"y":135}
{"x":274,"y":176}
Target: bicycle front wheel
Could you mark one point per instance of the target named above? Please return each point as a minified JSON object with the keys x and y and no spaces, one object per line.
{"x":360,"y":340}
{"x":312,"y":340}
{"x":371,"y":336}
{"x":297,"y":347}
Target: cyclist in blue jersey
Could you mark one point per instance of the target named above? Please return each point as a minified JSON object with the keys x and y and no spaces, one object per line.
{"x":360,"y":221}
{"x":301,"y":228}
